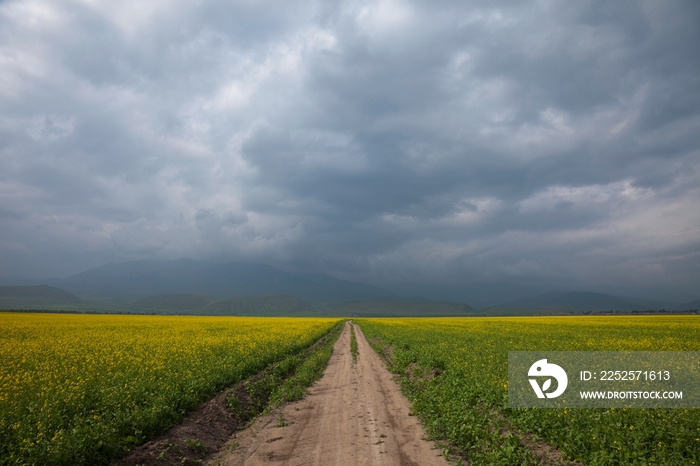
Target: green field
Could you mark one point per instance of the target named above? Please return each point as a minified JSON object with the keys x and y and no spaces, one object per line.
{"x":454,"y":370}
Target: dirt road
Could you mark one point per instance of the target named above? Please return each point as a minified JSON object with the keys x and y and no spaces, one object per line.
{"x":354,"y":415}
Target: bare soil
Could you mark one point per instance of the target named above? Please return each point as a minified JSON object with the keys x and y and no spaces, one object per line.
{"x":200,"y":435}
{"x":354,"y":415}
{"x":202,"y":431}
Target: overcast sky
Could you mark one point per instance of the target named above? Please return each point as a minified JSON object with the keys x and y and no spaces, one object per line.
{"x":470,"y":150}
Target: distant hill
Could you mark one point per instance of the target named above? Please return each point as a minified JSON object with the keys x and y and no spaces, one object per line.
{"x":140,"y":279}
{"x":402,"y":307}
{"x":555,"y":302}
{"x":174,"y":302}
{"x":256,"y":305}
{"x":206,"y":305}
{"x":36,"y":297}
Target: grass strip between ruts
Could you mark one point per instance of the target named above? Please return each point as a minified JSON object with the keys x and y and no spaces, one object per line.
{"x":353,"y":343}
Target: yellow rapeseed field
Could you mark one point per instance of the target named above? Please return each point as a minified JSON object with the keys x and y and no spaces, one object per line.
{"x":77,"y":389}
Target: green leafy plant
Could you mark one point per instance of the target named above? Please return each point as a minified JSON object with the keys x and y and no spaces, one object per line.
{"x":196,"y":445}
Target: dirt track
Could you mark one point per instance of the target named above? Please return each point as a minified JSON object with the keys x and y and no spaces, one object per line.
{"x":354,"y":415}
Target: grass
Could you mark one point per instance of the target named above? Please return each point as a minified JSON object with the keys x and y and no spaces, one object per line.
{"x":196,"y":445}
{"x":454,"y":371}
{"x":353,"y":344}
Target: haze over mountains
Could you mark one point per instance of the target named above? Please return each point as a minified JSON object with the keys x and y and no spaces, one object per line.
{"x":580,"y":301}
{"x":199,"y":304}
{"x":240,"y":288}
{"x":140,"y":279}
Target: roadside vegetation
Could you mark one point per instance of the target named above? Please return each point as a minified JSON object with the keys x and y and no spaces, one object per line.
{"x":82,"y":389}
{"x":353,"y":344}
{"x":283,"y":381}
{"x":454,"y":371}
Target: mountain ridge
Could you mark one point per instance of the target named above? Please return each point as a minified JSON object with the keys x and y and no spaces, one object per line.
{"x":193,"y":285}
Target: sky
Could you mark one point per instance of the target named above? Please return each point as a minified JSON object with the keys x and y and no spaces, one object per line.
{"x":476,"y":151}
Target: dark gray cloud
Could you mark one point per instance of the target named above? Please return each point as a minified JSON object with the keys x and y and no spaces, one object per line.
{"x":466,"y":150}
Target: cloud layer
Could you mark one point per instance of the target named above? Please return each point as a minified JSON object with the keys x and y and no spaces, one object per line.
{"x":421,"y":146}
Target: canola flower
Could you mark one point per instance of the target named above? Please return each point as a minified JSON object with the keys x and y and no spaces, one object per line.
{"x":467,"y":403}
{"x":80,"y":389}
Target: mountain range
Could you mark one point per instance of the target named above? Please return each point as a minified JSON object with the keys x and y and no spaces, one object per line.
{"x":140,"y":279}
{"x":199,"y":304}
{"x":188,"y":286}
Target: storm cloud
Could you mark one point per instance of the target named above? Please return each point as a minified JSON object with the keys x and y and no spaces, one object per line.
{"x":463,"y":150}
